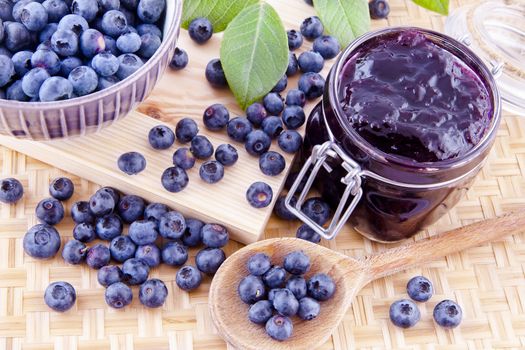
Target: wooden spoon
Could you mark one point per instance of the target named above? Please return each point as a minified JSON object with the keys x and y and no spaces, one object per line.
{"x":230,"y":314}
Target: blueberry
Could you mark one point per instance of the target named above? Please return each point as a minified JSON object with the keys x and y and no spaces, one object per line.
{"x":404,"y":313}
{"x":308,"y":309}
{"x":309,"y":2}
{"x":295,"y":97}
{"x":34,"y":16}
{"x":378,"y":9}
{"x":172,"y":225}
{"x":321,"y":287}
{"x":111,"y":45}
{"x":60,"y":296}
{"x":188,"y":278}
{"x":129,"y":4}
{"x":183,"y":158}
{"x":447,"y":314}
{"x":106,"y":5}
{"x":114,"y":23}
{"x":49,"y":211}
{"x":47,"y":33}
{"x":174,"y":179}
{"x":64,"y":42}
{"x":143,"y":232}
{"x":131,"y":208}
{"x":41,"y":241}
{"x":179,"y":59}
{"x":15,"y":92}
{"x":317,"y":210}
{"x":131,"y":163}
{"x":84,"y":80}
{"x":297,"y":285}
{"x":271,"y":163}
{"x":118,"y":295}
{"x":128,"y":42}
{"x":80,"y":212}
{"x":7,"y":70}
{"x":74,"y":252}
{"x":260,"y":312}
{"x":308,"y":234}
{"x":275,"y":277}
{"x":214,"y":235}
{"x":192,"y":236}
{"x":290,"y":141}
{"x":129,"y":64}
{"x":208,"y":260}
{"x":153,"y":293}
{"x":105,"y":64}
{"x":419,"y":288}
{"x":135,"y":271}
{"x":251,"y":289}
{"x":216,"y":117}
{"x":273,"y":103}
{"x":55,"y":89}
{"x":149,"y":253}
{"x":101,"y":203}
{"x":155,"y":211}
{"x":112,"y":192}
{"x":131,"y":18}
{"x":312,"y":84}
{"x":108,"y":275}
{"x":106,"y":82}
{"x":61,"y":188}
{"x":33,"y":80}
{"x":16,"y":36}
{"x":310,"y":61}
{"x":174,"y":254}
{"x":147,"y":28}
{"x":108,"y":227}
{"x":327,"y":46}
{"x":279,"y":327}
{"x":285,"y":303}
{"x":68,"y":64}
{"x":11,"y":190}
{"x":200,"y":30}
{"x":281,"y":84}
{"x":280,"y":208}
{"x":295,"y":39}
{"x":73,"y":22}
{"x":122,"y":248}
{"x":256,"y":113}
{"x":272,"y":292}
{"x":293,"y":117}
{"x":226,"y":154}
{"x":186,"y":130}
{"x":85,"y":8}
{"x":22,"y":62}
{"x":6,"y":9}
{"x":150,"y":11}
{"x":201,"y":147}
{"x":238,"y":128}
{"x":257,"y":142}
{"x":215,"y":74}
{"x":293,"y":65}
{"x":149,"y":44}
{"x":258,"y":264}
{"x":297,"y":263}
{"x":259,"y":195}
{"x":98,"y":256}
{"x":272,"y":126}
{"x":312,"y":28}
{"x":84,"y":232}
{"x":161,"y":137}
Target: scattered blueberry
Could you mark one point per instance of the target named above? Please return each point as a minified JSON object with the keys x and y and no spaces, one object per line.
{"x":118,"y":295}
{"x":447,"y":314}
{"x":174,"y":254}
{"x":200,"y":30}
{"x":214,"y":235}
{"x":11,"y":190}
{"x":308,"y":309}
{"x":404,"y":313}
{"x":179,"y":60}
{"x":258,"y":264}
{"x":273,"y":103}
{"x":310,"y":61}
{"x":257,"y":142}
{"x":135,"y":271}
{"x":327,"y":46}
{"x":260,"y":312}
{"x":321,"y":287}
{"x":312,"y":28}
{"x":201,"y":147}
{"x":279,"y":327}
{"x":251,"y":289}
{"x":378,"y":9}
{"x":226,"y":154}
{"x":216,"y":117}
{"x":101,"y":203}
{"x":60,"y":296}
{"x":211,"y":171}
{"x":183,"y":158}
{"x":256,"y":113}
{"x":61,"y":188}
{"x":295,"y":39}
{"x":281,"y":84}
{"x":41,"y":241}
{"x":285,"y":303}
{"x":98,"y":256}
{"x":49,"y":211}
{"x":148,"y":253}
{"x":131,"y":163}
{"x":259,"y":195}
{"x":275,"y":277}
{"x":186,"y":130}
{"x":312,"y":84}
{"x":153,"y":293}
{"x":155,"y":211}
{"x":271,"y":163}
{"x":172,"y":225}
{"x":280,"y":208}
{"x":238,"y":128}
{"x":297,"y":285}
{"x":295,"y":97}
{"x":188,"y":278}
{"x":74,"y":252}
{"x":130,"y":208}
{"x":143,"y":232}
{"x":193,"y":234}
{"x":208,"y":260}
{"x":122,"y":248}
{"x":420,"y":289}
{"x":272,"y":292}
{"x":84,"y":232}
{"x":108,"y":227}
{"x":174,"y":179}
{"x":272,"y":126}
{"x":293,"y":65}
{"x":161,"y":137}
{"x":108,"y":275}
{"x":290,"y":141}
{"x":317,"y":210}
{"x":215,"y":73}
{"x":297,"y":263}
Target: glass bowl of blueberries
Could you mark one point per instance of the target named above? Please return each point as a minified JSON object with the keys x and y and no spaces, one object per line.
{"x":72,"y":67}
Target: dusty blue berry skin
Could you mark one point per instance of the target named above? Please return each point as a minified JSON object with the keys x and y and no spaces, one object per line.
{"x":68,"y":64}
{"x":281,"y":84}
{"x":74,"y":252}
{"x":122,"y":248}
{"x":154,"y":212}
{"x":378,"y":9}
{"x":297,"y":263}
{"x":108,"y":275}
{"x":106,"y":5}
{"x":208,"y":260}
{"x":146,"y":28}
{"x":295,"y":39}
{"x":114,"y":23}
{"x":215,"y":74}
{"x":279,"y":327}
{"x":305,"y":232}
{"x":34,"y":16}
{"x":183,"y":158}
{"x":404,"y":313}
{"x":48,"y":31}
{"x":174,"y":254}
{"x":149,"y":253}
{"x":327,"y":46}
{"x":420,"y":288}
{"x":161,"y":137}
{"x":98,"y":256}
{"x":312,"y":84}
{"x":290,"y":141}
{"x":317,"y":210}
{"x":84,"y":80}
{"x":260,"y":312}
{"x":150,"y":11}
{"x":105,"y":64}
{"x":33,"y":80}
{"x":11,"y":190}
{"x":297,"y":285}
{"x":149,"y":44}
{"x":272,"y":292}
{"x":310,"y":61}
{"x":192,"y":236}
{"x":22,"y":62}
{"x":188,"y":278}
{"x":55,"y":89}
{"x":118,"y":295}
{"x":41,"y":241}
{"x":295,"y":97}
{"x":257,"y":142}
{"x":448,"y":314}
{"x":275,"y":277}
{"x":293,"y":65}
{"x":200,"y":30}
{"x":216,"y":117}
{"x":308,"y":309}
{"x":273,"y":103}
{"x":186,"y":130}
{"x":85,"y":8}
{"x":46,"y":59}
{"x":238,"y":128}
{"x":84,"y":232}
{"x":129,"y":63}
{"x":251,"y":289}
{"x":293,"y":117}
{"x":280,"y":208}
{"x":61,"y":188}
{"x":49,"y":211}
{"x":15,"y":92}
{"x":129,"y":42}
{"x":101,"y":203}
{"x":135,"y":271}
{"x":108,"y":227}
{"x":16,"y":36}
{"x":174,"y":179}
{"x":256,"y":113}
{"x":214,"y":235}
{"x":226,"y":154}
{"x":64,"y":42}
{"x":172,"y":225}
{"x":75,"y":23}
{"x":143,"y":232}
{"x":153,"y":293}
{"x":321,"y":287}
{"x":131,"y":163}
{"x":258,"y":264}
{"x":60,"y":296}
{"x":6,"y":10}
{"x":312,"y":28}
{"x":259,"y":195}
{"x":272,"y":126}
{"x":201,"y":147}
{"x":131,"y":208}
{"x":211,"y":171}
{"x":285,"y":303}
{"x":272,"y":163}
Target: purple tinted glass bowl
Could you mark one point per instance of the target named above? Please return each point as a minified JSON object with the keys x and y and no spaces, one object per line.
{"x":90,"y":113}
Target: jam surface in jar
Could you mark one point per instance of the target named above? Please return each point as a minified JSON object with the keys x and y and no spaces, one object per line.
{"x":410,"y":97}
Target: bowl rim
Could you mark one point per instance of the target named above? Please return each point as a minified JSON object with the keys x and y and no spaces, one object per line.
{"x":167,"y":41}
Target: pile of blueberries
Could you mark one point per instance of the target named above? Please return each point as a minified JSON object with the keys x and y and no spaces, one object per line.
{"x":103,"y":217}
{"x":404,"y":313}
{"x":60,"y":49}
{"x":274,"y":298}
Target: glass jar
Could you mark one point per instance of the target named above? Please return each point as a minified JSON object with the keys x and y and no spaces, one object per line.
{"x":383,"y":196}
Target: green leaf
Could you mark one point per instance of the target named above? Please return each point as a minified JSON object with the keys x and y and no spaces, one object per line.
{"x":219,"y":12}
{"x":439,"y":6}
{"x":344,"y":19}
{"x":254,"y":53}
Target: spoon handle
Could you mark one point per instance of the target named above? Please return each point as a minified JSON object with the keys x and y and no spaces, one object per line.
{"x":400,"y":258}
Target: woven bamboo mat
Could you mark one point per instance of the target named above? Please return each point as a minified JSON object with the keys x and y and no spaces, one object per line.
{"x":488,"y":281}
